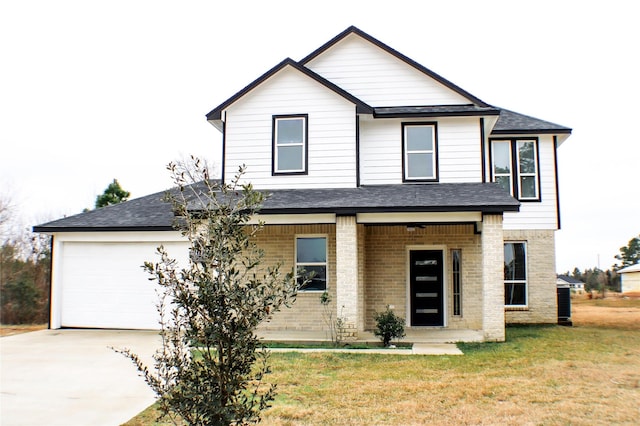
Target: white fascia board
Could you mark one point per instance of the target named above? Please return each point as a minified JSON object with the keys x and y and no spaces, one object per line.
{"x":293,"y":219}
{"x":120,"y":236}
{"x":432,"y":217}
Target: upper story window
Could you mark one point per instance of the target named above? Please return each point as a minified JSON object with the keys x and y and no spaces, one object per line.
{"x":514,"y":165}
{"x":419,"y":152}
{"x":290,"y":144}
{"x":311,"y":263}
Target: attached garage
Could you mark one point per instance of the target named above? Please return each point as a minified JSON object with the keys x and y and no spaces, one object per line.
{"x":101,"y":284}
{"x":97,"y":279}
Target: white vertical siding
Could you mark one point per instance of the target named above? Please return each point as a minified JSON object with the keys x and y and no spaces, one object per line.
{"x":378,"y":78}
{"x":459,"y":151}
{"x":332,"y":133}
{"x":533,"y":214}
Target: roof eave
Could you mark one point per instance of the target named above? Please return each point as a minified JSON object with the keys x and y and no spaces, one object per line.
{"x":438,"y":114}
{"x":532,"y":132}
{"x":216,"y":113}
{"x":400,"y":209}
{"x":58,"y":229}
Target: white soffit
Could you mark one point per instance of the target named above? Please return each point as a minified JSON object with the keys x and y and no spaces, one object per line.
{"x":435,"y":217}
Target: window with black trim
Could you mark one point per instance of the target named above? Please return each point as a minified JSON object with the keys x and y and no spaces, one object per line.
{"x":515,"y":274}
{"x":419,"y":152}
{"x":290,"y":144}
{"x":514,"y":165}
{"x":456,"y":269}
{"x":311,"y":263}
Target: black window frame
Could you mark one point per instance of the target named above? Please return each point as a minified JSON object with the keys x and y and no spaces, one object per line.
{"x":515,"y":189}
{"x":300,"y":266}
{"x":274,"y":145}
{"x":510,"y":282}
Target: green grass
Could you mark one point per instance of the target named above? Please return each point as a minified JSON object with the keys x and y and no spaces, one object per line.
{"x":541,"y":375}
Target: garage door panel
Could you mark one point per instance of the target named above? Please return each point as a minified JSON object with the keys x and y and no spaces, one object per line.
{"x":105,"y":286}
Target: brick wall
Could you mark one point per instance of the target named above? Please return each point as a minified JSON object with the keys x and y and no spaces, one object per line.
{"x":541,"y":277}
{"x":278,"y":242}
{"x":385,"y":270}
{"x":493,"y":278}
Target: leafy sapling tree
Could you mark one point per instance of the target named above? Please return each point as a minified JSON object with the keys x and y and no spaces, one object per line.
{"x":113,"y":194}
{"x":211,"y":366}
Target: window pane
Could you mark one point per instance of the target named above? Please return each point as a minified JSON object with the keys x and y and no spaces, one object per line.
{"x":515,"y":294}
{"x":311,"y":250}
{"x":289,"y":158}
{"x":290,"y":131}
{"x":527,"y":156}
{"x":419,"y":138}
{"x":505,"y":182}
{"x":501,"y":157}
{"x":514,"y":261}
{"x":528,"y":187}
{"x":317,"y":276}
{"x":420,"y":166}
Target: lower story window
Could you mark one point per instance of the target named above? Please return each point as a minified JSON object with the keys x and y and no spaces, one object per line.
{"x":311,"y":263}
{"x":515,"y":274}
{"x":456,"y":257}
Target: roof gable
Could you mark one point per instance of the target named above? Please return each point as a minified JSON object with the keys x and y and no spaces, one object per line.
{"x":361,"y":107}
{"x":343,"y":47}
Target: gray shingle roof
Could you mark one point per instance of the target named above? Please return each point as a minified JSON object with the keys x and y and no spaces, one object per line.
{"x":152,"y":213}
{"x":145,"y":213}
{"x":513,"y":122}
{"x":434,"y":111}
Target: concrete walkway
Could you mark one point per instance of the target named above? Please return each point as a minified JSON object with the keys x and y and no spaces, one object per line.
{"x":71,"y":377}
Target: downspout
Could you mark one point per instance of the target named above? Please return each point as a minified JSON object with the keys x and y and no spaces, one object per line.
{"x":482,"y":151}
{"x":555,"y":165}
{"x":50,"y":280}
{"x":357,"y":150}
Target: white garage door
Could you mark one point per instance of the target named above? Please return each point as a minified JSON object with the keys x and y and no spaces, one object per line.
{"x":103,"y":285}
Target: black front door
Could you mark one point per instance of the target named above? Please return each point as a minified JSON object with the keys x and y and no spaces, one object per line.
{"x":426,"y":287}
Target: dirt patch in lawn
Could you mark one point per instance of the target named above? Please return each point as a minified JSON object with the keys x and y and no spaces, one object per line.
{"x":613,"y":311}
{"x":10,"y":330}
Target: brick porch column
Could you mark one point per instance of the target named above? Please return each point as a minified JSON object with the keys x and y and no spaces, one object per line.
{"x":347,"y":274}
{"x":493,"y":317}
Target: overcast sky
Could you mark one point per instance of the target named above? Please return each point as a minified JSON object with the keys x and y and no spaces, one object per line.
{"x":96,"y":90}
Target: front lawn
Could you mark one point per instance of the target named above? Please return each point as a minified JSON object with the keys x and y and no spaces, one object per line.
{"x":541,"y":375}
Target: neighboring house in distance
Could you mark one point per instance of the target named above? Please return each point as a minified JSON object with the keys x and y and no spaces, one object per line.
{"x":630,"y":279}
{"x":575,"y":285}
{"x":394,"y":185}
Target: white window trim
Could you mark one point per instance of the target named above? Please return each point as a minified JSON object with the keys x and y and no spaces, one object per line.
{"x":515,"y":175}
{"x":407,"y":153}
{"x":526,"y":277}
{"x":534,"y":174}
{"x":303,"y":144}
{"x":493,"y":163}
{"x":325,"y":263}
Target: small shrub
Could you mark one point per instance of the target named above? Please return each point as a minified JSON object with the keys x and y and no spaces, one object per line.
{"x":336,"y":326}
{"x":389,"y":326}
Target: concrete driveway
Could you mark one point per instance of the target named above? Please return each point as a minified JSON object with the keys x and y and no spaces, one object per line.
{"x":71,"y":377}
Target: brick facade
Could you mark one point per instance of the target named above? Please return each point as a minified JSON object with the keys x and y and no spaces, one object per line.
{"x":368,"y":269}
{"x":541,"y":278}
{"x":278,"y":242}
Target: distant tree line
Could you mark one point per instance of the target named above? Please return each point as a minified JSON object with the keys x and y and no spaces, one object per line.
{"x":595,"y":279}
{"x":25,"y":263}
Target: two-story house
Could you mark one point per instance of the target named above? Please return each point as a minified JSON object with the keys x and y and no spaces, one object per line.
{"x":392,"y":184}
